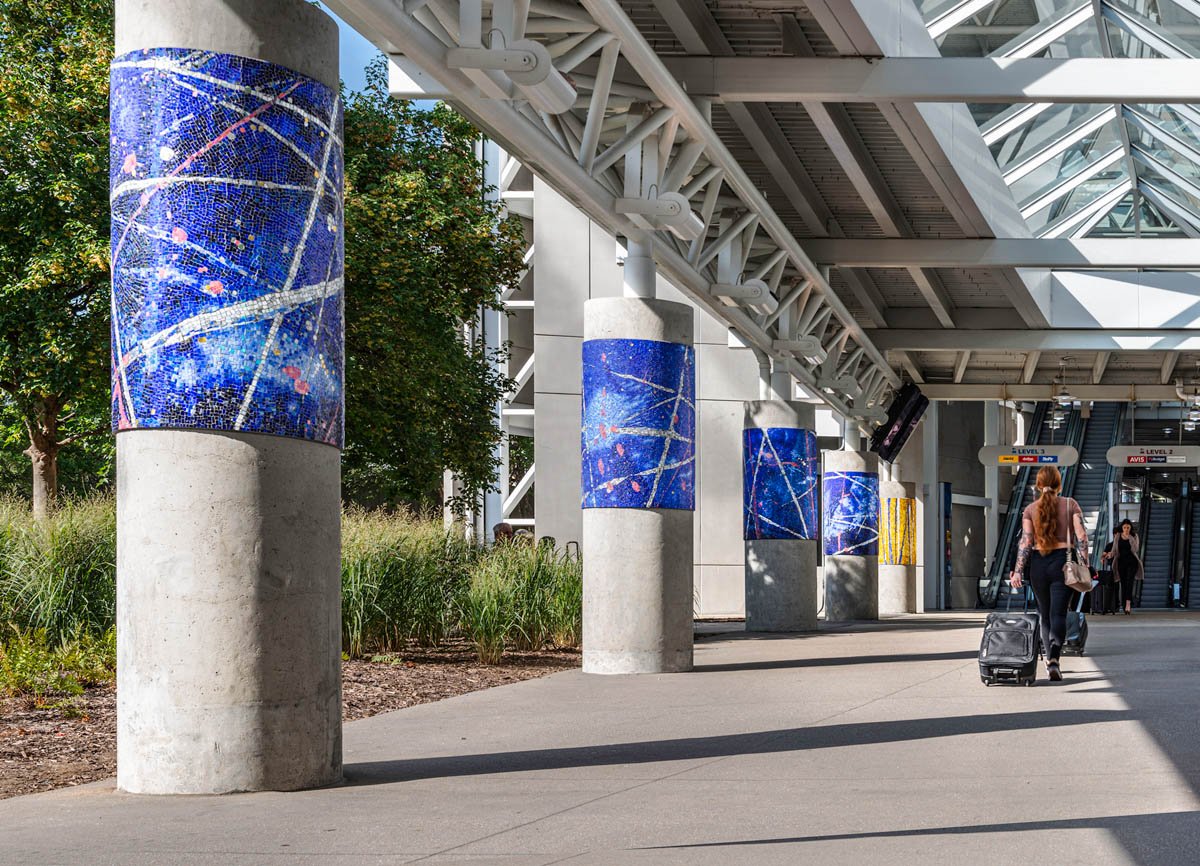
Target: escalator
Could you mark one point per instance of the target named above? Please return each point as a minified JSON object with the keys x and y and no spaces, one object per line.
{"x":1157,"y":553}
{"x":1090,"y":482}
{"x":996,"y":591}
{"x":1193,"y":578}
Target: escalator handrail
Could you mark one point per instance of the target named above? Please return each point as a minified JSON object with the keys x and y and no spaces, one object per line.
{"x":1104,"y":521}
{"x":988,"y":596}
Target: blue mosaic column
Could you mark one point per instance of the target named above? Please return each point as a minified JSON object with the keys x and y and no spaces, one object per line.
{"x":780,"y":516}
{"x":638,"y":485}
{"x":850,"y":535}
{"x":227,"y":394}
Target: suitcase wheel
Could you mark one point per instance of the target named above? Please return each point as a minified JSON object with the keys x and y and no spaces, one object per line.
{"x":1029,"y":681}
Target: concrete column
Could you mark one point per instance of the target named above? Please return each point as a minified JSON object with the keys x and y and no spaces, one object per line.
{"x":850,"y":497}
{"x":638,"y":444}
{"x":227,"y":395}
{"x":781,"y":470}
{"x":897,"y":548}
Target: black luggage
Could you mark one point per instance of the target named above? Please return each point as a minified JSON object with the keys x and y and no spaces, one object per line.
{"x":1077,"y":630}
{"x":1009,"y":650}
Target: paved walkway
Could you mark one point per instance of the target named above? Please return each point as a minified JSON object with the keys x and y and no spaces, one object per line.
{"x":857,"y":746}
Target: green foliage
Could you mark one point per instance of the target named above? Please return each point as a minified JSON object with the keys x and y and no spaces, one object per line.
{"x":523,"y":597}
{"x":59,"y":575}
{"x":33,"y":664}
{"x":54,"y":221}
{"x":424,"y":250}
{"x":405,"y":580}
{"x":401,"y":580}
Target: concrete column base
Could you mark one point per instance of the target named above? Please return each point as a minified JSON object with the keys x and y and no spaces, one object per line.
{"x":851,"y":588}
{"x":637,"y":591}
{"x":228,"y":613}
{"x":781,"y":585}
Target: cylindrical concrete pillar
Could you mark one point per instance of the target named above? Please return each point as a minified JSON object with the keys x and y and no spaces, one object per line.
{"x":897,"y":548}
{"x":638,"y":439}
{"x":850,"y":529}
{"x":781,"y":471}
{"x":226,"y":167}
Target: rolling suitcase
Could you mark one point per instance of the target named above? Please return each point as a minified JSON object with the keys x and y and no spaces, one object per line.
{"x":1077,"y":630}
{"x":1008,"y":652}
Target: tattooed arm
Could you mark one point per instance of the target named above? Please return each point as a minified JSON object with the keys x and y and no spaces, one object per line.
{"x":1081,"y":539}
{"x":1023,"y":551}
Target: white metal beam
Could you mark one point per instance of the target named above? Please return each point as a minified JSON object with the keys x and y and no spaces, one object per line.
{"x":1029,"y":368}
{"x":1099,"y":366}
{"x":960,"y":366}
{"x":1083,"y":253}
{"x":939,"y":79}
{"x":1168,"y":367}
{"x":1027,"y":340}
{"x":1147,"y":392}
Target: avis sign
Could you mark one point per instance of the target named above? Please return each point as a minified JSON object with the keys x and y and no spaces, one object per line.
{"x":1175,"y":456}
{"x":1028,"y":455}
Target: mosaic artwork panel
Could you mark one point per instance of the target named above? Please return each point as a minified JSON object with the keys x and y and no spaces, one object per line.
{"x":638,"y":435}
{"x":779,"y":483}
{"x":851,"y":513}
{"x":898,"y":532}
{"x":227,"y":246}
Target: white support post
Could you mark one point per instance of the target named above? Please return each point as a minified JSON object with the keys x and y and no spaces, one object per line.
{"x":934,"y":543}
{"x":991,"y":485}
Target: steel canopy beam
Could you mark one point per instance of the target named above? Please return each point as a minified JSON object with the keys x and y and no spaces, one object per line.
{"x":1036,"y":341}
{"x":1148,"y":392}
{"x":1083,"y":253}
{"x":939,"y":79}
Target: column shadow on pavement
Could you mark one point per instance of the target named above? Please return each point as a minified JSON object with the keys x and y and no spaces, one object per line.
{"x":837,"y":661}
{"x":722,"y":746}
{"x":1141,"y":835}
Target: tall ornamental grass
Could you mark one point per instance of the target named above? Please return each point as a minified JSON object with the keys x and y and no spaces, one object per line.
{"x":402,"y":580}
{"x":59,"y":575}
{"x":405,"y":580}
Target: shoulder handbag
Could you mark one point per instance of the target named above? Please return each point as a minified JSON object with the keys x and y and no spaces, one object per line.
{"x":1077,"y":574}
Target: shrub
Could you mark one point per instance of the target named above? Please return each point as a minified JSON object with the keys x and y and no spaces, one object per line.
{"x":523,"y":597}
{"x":32,"y":664}
{"x":402,"y":579}
{"x":59,"y":575}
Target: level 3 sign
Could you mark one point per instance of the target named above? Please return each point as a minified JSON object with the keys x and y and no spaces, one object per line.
{"x":1028,"y":455}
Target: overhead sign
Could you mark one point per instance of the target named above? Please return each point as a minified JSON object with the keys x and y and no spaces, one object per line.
{"x":1028,"y":455}
{"x":1175,"y":456}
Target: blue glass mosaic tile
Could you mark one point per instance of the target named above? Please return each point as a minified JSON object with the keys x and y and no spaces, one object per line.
{"x":226,"y":182}
{"x":639,"y":424}
{"x":779,"y":483}
{"x":851,"y":513}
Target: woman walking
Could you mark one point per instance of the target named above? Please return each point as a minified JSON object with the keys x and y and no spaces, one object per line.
{"x":1127,"y":558}
{"x":1049,"y":526}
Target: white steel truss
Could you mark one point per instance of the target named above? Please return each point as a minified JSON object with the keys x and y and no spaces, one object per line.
{"x":630,"y":117}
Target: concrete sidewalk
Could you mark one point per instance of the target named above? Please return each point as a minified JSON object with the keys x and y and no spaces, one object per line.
{"x":864,"y":745}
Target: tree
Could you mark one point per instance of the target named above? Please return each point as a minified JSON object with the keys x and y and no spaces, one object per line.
{"x":54,"y":277}
{"x":425,"y":249}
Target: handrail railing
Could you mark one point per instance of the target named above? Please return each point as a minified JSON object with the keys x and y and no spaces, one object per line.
{"x":1007,"y":536}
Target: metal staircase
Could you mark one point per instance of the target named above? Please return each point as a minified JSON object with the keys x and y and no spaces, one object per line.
{"x":1156,"y":554}
{"x":1091,"y":481}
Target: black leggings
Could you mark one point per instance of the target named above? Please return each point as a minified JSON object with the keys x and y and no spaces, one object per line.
{"x":1127,"y":571}
{"x":1051,"y":593}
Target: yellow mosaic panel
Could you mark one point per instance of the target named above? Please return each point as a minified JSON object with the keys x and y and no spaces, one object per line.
{"x":898,"y":532}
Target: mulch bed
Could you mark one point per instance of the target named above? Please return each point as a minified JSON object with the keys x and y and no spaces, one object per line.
{"x":42,"y":748}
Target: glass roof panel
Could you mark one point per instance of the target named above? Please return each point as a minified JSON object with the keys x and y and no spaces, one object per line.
{"x":1043,"y":130}
{"x":1090,"y":150}
{"x":1060,"y":159}
{"x":1076,"y":199}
